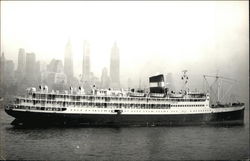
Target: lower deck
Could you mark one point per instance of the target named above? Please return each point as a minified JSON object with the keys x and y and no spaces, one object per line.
{"x":28,"y":117}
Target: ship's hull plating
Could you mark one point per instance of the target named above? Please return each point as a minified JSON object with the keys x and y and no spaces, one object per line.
{"x":35,"y":118}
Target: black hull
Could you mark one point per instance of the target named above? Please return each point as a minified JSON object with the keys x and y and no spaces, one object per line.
{"x":36,"y":118}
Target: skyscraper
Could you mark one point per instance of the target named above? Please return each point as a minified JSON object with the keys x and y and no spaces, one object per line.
{"x":9,"y":72}
{"x":30,"y":67}
{"x":38,"y":74}
{"x":55,"y":74}
{"x":115,"y":67}
{"x":86,"y":62}
{"x":2,"y":65}
{"x":68,"y":62}
{"x":21,"y":60}
{"x":129,"y":83}
{"x":55,"y":66}
{"x":169,"y":81}
{"x":21,"y":64}
{"x":104,"y":78}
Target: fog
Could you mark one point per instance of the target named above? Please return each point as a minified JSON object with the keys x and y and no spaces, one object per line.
{"x":153,"y":37}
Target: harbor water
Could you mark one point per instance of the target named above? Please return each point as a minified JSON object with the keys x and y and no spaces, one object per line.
{"x":124,"y":143}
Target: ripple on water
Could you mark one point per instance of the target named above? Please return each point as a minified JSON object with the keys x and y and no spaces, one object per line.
{"x":127,"y":143}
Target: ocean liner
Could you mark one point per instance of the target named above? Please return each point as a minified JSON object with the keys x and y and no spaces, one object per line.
{"x":157,"y":107}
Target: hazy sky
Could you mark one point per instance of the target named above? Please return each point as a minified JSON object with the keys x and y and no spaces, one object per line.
{"x":152,"y":36}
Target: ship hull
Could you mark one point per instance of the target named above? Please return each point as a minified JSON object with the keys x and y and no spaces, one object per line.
{"x":37,"y":118}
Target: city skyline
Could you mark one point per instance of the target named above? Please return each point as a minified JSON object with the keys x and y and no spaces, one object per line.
{"x":202,"y":37}
{"x":26,"y":60}
{"x":141,"y":35}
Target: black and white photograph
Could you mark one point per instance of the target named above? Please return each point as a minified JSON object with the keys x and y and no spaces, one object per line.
{"x":124,"y":80}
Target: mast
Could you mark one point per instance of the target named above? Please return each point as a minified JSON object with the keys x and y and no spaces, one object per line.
{"x":218,"y":85}
{"x":218,"y":88}
{"x":140,"y":83}
{"x":185,"y":79}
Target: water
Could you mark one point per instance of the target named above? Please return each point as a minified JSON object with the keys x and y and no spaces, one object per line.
{"x":125,"y":143}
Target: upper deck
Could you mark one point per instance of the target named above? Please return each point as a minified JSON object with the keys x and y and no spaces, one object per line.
{"x":110,"y":96}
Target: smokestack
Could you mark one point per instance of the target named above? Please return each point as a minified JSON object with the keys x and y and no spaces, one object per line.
{"x":157,"y":84}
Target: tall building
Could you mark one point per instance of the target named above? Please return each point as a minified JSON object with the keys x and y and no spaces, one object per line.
{"x":38,"y":72}
{"x":68,"y":62}
{"x":129,"y":83}
{"x":2,"y":70}
{"x":30,"y":68}
{"x":86,"y":62}
{"x":55,"y":75}
{"x":55,"y":66}
{"x":9,"y":72}
{"x":21,"y":63}
{"x":104,"y":78}
{"x":169,"y":82}
{"x":115,"y":67}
